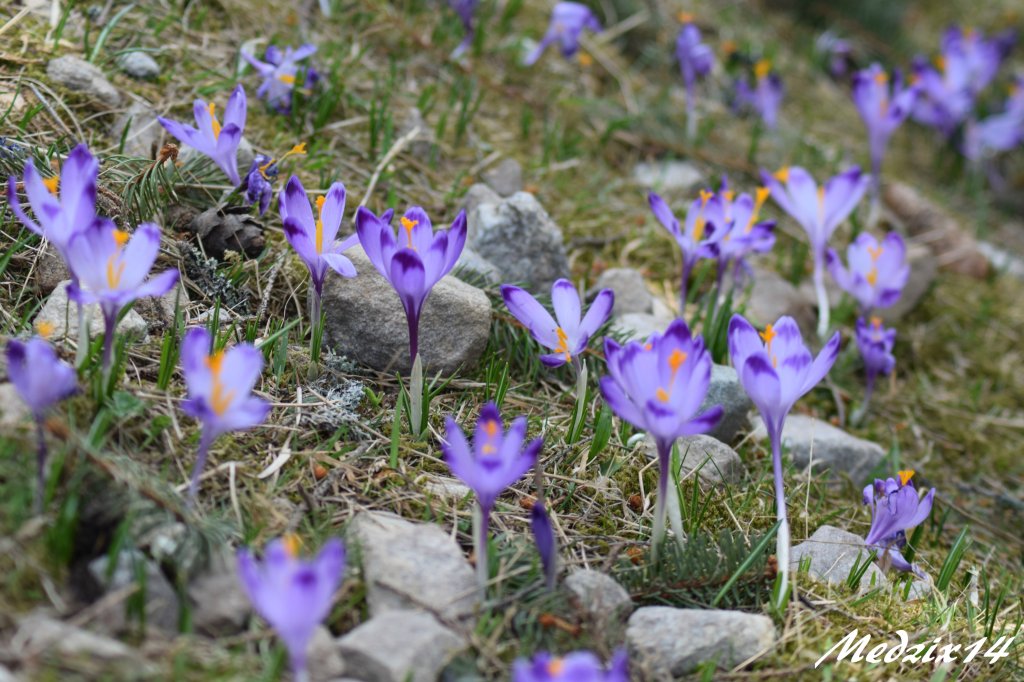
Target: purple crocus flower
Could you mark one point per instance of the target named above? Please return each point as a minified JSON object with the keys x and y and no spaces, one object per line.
{"x":220,"y":388}
{"x":838,"y":53}
{"x":877,"y":273}
{"x":279,"y":71}
{"x":895,"y":509}
{"x":697,"y":239}
{"x":658,"y":387}
{"x":315,"y":238}
{"x":883,"y":107}
{"x":112,"y":267}
{"x":496,"y":460}
{"x":292,"y":594}
{"x":695,"y":61}
{"x":259,"y":181}
{"x":41,"y":380}
{"x":544,"y":537}
{"x":776,"y":369}
{"x":212,"y":138}
{"x":568,"y":19}
{"x":819,"y":210}
{"x":579,"y":666}
{"x":465,"y":9}
{"x":742,"y":230}
{"x":765,"y":98}
{"x":413,"y":263}
{"x":569,"y":335}
{"x":875,"y":344}
{"x":999,"y":132}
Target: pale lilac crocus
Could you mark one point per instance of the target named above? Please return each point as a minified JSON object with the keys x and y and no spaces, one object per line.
{"x":496,"y":460}
{"x":658,"y":387}
{"x":217,"y":140}
{"x":998,"y":132}
{"x":695,"y":62}
{"x":819,"y":211}
{"x":568,"y":21}
{"x":883,"y":106}
{"x":579,"y":666}
{"x":877,"y":271}
{"x":315,"y":238}
{"x":41,"y":380}
{"x":776,"y":369}
{"x":544,"y":538}
{"x":413,"y":262}
{"x":112,"y":269}
{"x":697,"y":239}
{"x":466,"y":9}
{"x":279,"y":71}
{"x":765,"y":98}
{"x":896,"y":508}
{"x":875,"y":343}
{"x":294,"y":595}
{"x":220,"y":388}
{"x":743,"y":232}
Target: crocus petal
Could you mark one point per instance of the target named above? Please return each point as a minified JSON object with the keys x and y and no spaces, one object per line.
{"x":531,"y":314}
{"x":600,"y":311}
{"x":566,"y":302}
{"x":340,"y":264}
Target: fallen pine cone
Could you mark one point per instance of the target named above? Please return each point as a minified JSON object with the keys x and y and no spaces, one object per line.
{"x":230,"y":229}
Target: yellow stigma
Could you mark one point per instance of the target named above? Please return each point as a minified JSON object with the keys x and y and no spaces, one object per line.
{"x":291,"y":544}
{"x":52,"y":183}
{"x":905,"y":476}
{"x":705,"y":196}
{"x":115,"y":268}
{"x":555,"y":666}
{"x":121,"y":238}
{"x":675,"y":361}
{"x":821,"y":203}
{"x":214,"y":123}
{"x":685,"y":18}
{"x":767,"y":336}
{"x":300,"y":148}
{"x":875,"y":252}
{"x":490,"y":431}
{"x":881,"y":78}
{"x":408,"y":225}
{"x":728,"y":47}
{"x":44,"y":329}
{"x":872,"y":276}
{"x":219,"y":400}
{"x":940,"y":63}
{"x":585,"y":59}
{"x":320,"y":200}
{"x":286,"y":78}
{"x":698,"y":228}
{"x":876,"y":322}
{"x":760,"y":196}
{"x":729,"y":194}
{"x":762,"y":68}
{"x":782,"y":175}
{"x":563,"y":344}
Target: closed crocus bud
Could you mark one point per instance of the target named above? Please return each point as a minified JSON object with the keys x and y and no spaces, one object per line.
{"x":896,"y":508}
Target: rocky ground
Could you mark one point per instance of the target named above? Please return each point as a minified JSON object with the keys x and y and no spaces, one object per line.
{"x":118,"y":580}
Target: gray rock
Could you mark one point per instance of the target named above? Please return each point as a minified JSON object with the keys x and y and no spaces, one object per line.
{"x":80,"y":76}
{"x":639,"y":326}
{"x":50,"y":270}
{"x":920,"y":588}
{"x":366,"y":321}
{"x":75,"y":648}
{"x":474,"y":268}
{"x":159,"y":312}
{"x":598,"y":596}
{"x":668,"y":176}
{"x":63,"y":315}
{"x":772,"y":297}
{"x":725,"y":390}
{"x":506,"y":178}
{"x":631,"y":294}
{"x":325,"y":662}
{"x":413,"y":565}
{"x":219,"y":606}
{"x":833,"y":448}
{"x":135,"y":568}
{"x":666,"y":642}
{"x":422,"y":145}
{"x":446,"y":488}
{"x":6,"y":675}
{"x":13,"y":410}
{"x":399,"y":646}
{"x":832,"y":553}
{"x":138,"y":65}
{"x":475,"y":196}
{"x":519,"y":237}
{"x":714,"y":461}
{"x":144,"y":131}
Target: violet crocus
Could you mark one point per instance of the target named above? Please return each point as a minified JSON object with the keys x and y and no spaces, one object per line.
{"x":883,"y":106}
{"x":697,"y":239}
{"x":819,"y":210}
{"x":41,"y":380}
{"x":293,"y":595}
{"x":279,"y":71}
{"x":875,"y":343}
{"x":217,"y":140}
{"x":568,"y":20}
{"x":414,"y":262}
{"x":112,"y":269}
{"x":896,"y":508}
{"x":466,"y":9}
{"x":544,"y":538}
{"x":999,"y":132}
{"x":579,"y":666}
{"x":743,"y":232}
{"x":496,"y":460}
{"x":658,"y":386}
{"x":765,"y":98}
{"x":877,"y":271}
{"x":220,"y":388}
{"x":776,"y":369}
{"x":315,"y":238}
{"x":695,"y":62}
{"x":838,"y":54}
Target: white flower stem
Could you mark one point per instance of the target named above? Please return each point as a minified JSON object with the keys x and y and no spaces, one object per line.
{"x":481,"y":519}
{"x":416,"y":396}
{"x":782,"y":537}
{"x":824,"y":311}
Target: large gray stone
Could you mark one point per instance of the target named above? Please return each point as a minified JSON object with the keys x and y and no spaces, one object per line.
{"x":715,"y":462}
{"x":598,"y":596}
{"x":144,"y":130}
{"x":475,"y":196}
{"x":506,"y":178}
{"x":832,"y":553}
{"x":325,"y":662}
{"x":80,"y":76}
{"x":87,"y":653}
{"x":132,"y":567}
{"x":13,"y":409}
{"x":63,"y":315}
{"x":666,"y":642}
{"x":725,"y":390}
{"x":668,"y":176}
{"x":399,"y":646}
{"x":219,"y":605}
{"x":833,"y":449}
{"x":410,"y":565}
{"x":772,"y":297}
{"x":522,"y":241}
{"x":6,"y":675}
{"x":366,"y":321}
{"x":138,"y":65}
{"x":630,"y":289}
{"x":474,"y":268}
{"x":50,"y":270}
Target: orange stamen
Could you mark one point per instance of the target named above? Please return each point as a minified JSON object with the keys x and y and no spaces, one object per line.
{"x":906,"y":476}
{"x":675,"y":361}
{"x":762,"y":68}
{"x":44,"y":329}
{"x":585,"y":59}
{"x":760,"y":196}
{"x":286,"y":78}
{"x":685,"y":18}
{"x":563,"y":344}
{"x":320,"y":224}
{"x":555,"y":666}
{"x":291,"y":544}
{"x":782,"y":175}
{"x":408,"y":225}
{"x":52,"y":183}
{"x":219,"y":400}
